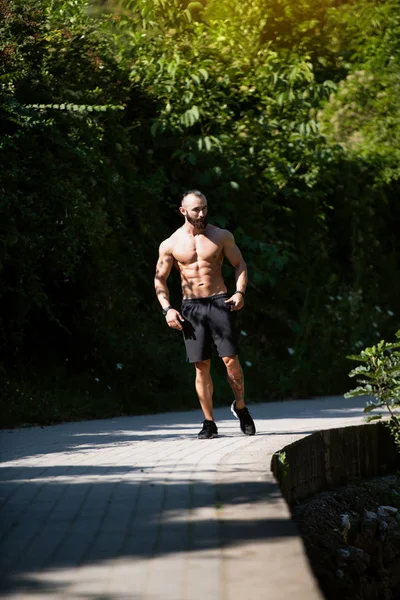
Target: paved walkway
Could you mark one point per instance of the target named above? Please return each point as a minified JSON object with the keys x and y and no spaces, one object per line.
{"x":139,"y":508}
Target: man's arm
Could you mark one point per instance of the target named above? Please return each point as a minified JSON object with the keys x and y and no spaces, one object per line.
{"x":233,"y":254}
{"x":164,"y":265}
{"x":163,"y":269}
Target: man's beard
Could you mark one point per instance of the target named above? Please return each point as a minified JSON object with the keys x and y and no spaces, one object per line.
{"x":198,"y":223}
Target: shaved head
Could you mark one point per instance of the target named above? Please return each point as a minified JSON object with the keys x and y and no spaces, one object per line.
{"x":196,"y":193}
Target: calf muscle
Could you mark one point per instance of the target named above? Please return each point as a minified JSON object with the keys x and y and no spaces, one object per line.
{"x":235,"y":378}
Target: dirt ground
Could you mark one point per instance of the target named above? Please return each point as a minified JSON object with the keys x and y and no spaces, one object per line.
{"x":354,"y":548}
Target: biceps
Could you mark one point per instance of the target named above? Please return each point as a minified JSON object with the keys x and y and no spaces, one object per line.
{"x":163,"y":268}
{"x":234,"y":255}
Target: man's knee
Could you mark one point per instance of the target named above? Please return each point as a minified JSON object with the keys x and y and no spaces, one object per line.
{"x":203,"y":366}
{"x":232,"y":363}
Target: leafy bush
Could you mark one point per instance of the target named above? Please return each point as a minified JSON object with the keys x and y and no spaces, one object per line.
{"x":379,"y":376}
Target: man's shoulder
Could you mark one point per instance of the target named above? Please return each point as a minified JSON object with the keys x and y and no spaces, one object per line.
{"x":176,"y":237}
{"x":168,"y":244}
{"x":223,"y":234}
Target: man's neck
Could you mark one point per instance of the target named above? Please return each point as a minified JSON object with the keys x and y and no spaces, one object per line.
{"x":192,"y":230}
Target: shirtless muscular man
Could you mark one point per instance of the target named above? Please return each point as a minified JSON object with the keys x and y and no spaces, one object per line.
{"x":197,"y":249}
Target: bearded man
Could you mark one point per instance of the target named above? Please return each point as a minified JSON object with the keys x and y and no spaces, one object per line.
{"x":207,"y":315}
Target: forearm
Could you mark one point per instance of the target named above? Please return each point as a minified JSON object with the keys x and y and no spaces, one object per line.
{"x":162,"y":292}
{"x":241,"y":276}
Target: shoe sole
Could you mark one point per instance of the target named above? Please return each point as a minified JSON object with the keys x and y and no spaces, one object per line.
{"x":210,"y":437}
{"x":233,"y":410}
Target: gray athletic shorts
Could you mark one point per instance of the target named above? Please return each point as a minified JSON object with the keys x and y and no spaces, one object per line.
{"x":207,"y":321}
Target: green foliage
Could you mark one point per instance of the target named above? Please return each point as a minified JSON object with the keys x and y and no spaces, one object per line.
{"x":283,"y":465}
{"x":379,"y":376}
{"x":283,"y":113}
{"x":364,"y":116}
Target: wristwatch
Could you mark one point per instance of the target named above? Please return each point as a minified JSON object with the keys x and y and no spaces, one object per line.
{"x":239,"y":292}
{"x":165,"y":310}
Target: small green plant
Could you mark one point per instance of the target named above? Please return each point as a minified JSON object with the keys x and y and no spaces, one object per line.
{"x":379,"y":377}
{"x":283,"y":464}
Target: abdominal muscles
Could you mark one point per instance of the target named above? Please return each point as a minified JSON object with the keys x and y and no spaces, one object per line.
{"x":201,"y":279}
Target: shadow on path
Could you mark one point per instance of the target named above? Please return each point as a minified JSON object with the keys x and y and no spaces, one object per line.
{"x":62,"y":515}
{"x":89,"y":523}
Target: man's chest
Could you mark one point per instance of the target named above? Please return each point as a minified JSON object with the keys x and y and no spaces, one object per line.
{"x":200,"y":248}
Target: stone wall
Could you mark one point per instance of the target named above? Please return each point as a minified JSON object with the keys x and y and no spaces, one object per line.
{"x":327,"y":459}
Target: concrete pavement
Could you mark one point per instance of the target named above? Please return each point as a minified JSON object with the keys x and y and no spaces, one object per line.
{"x":139,"y":508}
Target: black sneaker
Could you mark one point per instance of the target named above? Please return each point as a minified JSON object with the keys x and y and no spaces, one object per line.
{"x":246,"y":422}
{"x":210,"y":430}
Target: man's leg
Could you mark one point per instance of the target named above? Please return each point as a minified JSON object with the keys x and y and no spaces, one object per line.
{"x":235,"y":378}
{"x":205,"y":388}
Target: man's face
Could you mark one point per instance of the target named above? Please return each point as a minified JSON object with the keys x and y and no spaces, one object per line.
{"x":195,"y":211}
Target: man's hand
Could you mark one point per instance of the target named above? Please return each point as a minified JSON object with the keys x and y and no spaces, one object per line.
{"x":174,"y":319}
{"x":235,"y":302}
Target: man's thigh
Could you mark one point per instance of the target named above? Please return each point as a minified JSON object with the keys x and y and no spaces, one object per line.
{"x":222,"y":323}
{"x":196,"y":333}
